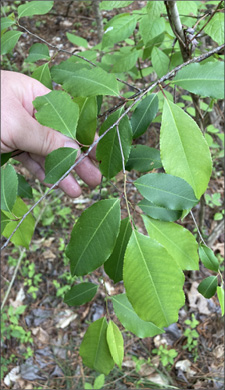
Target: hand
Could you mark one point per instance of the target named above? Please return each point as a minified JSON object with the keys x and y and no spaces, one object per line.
{"x":20,"y":130}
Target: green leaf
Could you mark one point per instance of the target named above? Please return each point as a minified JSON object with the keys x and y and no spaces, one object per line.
{"x":99,"y":382}
{"x":109,"y":5}
{"x":220,"y":294}
{"x":144,"y":114}
{"x":94,"y":348}
{"x":9,"y":41}
{"x":178,"y":241}
{"x":142,"y":158}
{"x":66,"y":70}
{"x":166,"y":191}
{"x":76,"y":40}
{"x":38,"y":51}
{"x":130,"y":320}
{"x":58,"y":162}
{"x":124,"y":61}
{"x":5,"y":157}
{"x":80,"y":294}
{"x":208,"y":258}
{"x":204,"y":80}
{"x":153,"y":281}
{"x":58,"y":111}
{"x":25,"y":232}
{"x":115,"y":343}
{"x":118,"y":28}
{"x":34,"y":8}
{"x":160,"y":62}
{"x":90,"y":82}
{"x":24,"y":189}
{"x":155,"y":8}
{"x":9,"y":187}
{"x":208,"y":286}
{"x":42,"y":74}
{"x":4,"y":220}
{"x":114,"y":265}
{"x":108,"y":151}
{"x":6,"y":22}
{"x":93,"y":236}
{"x":215,"y":28}
{"x":184,"y":150}
{"x":158,"y":212}
{"x":150,"y":29}
{"x":87,"y":123}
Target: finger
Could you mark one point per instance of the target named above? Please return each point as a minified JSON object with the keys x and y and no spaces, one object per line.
{"x":69,"y":185}
{"x":88,"y":172}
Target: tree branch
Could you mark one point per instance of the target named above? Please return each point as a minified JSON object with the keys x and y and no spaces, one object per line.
{"x":137,"y":97}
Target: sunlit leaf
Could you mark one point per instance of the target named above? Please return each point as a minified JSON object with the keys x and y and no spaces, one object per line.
{"x":220,"y":294}
{"x":34,"y":8}
{"x":38,"y":51}
{"x":9,"y":41}
{"x":177,"y":240}
{"x":184,"y":150}
{"x":115,"y":343}
{"x":42,"y":74}
{"x":130,"y":320}
{"x":153,"y":282}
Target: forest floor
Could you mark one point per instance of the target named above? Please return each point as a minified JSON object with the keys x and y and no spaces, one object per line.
{"x":57,"y":330}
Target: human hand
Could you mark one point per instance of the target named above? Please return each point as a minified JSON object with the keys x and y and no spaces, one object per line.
{"x":21,"y":131}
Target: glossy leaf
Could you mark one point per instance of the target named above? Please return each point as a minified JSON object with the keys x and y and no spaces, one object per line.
{"x":178,"y":241}
{"x":215,"y":28}
{"x":24,"y":189}
{"x":58,"y":111}
{"x":208,"y":286}
{"x":220,"y":294}
{"x":144,"y":114}
{"x":38,"y":51}
{"x":9,"y":187}
{"x":208,"y":258}
{"x":118,"y":28}
{"x":94,"y":348}
{"x":109,"y":5}
{"x":58,"y":162}
{"x":87,"y":122}
{"x":115,"y":343}
{"x":158,"y":212}
{"x":114,"y":265}
{"x":35,"y":8}
{"x":80,"y":294}
{"x":42,"y":74}
{"x":142,"y":158}
{"x":9,"y":41}
{"x":88,"y":82}
{"x":203,"y":80}
{"x":99,"y":382}
{"x":184,"y":150}
{"x":152,"y":280}
{"x":150,"y":29}
{"x":108,"y":151}
{"x":160,"y":61}
{"x":130,"y":320}
{"x":76,"y":40}
{"x":6,"y":22}
{"x":93,"y":236}
{"x":166,"y":191}
{"x":25,"y":232}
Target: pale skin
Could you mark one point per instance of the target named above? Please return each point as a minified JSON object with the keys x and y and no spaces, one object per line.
{"x":20,"y":131}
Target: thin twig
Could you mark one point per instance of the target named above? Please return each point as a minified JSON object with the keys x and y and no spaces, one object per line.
{"x":196,"y":225}
{"x":139,"y":96}
{"x":202,"y":28}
